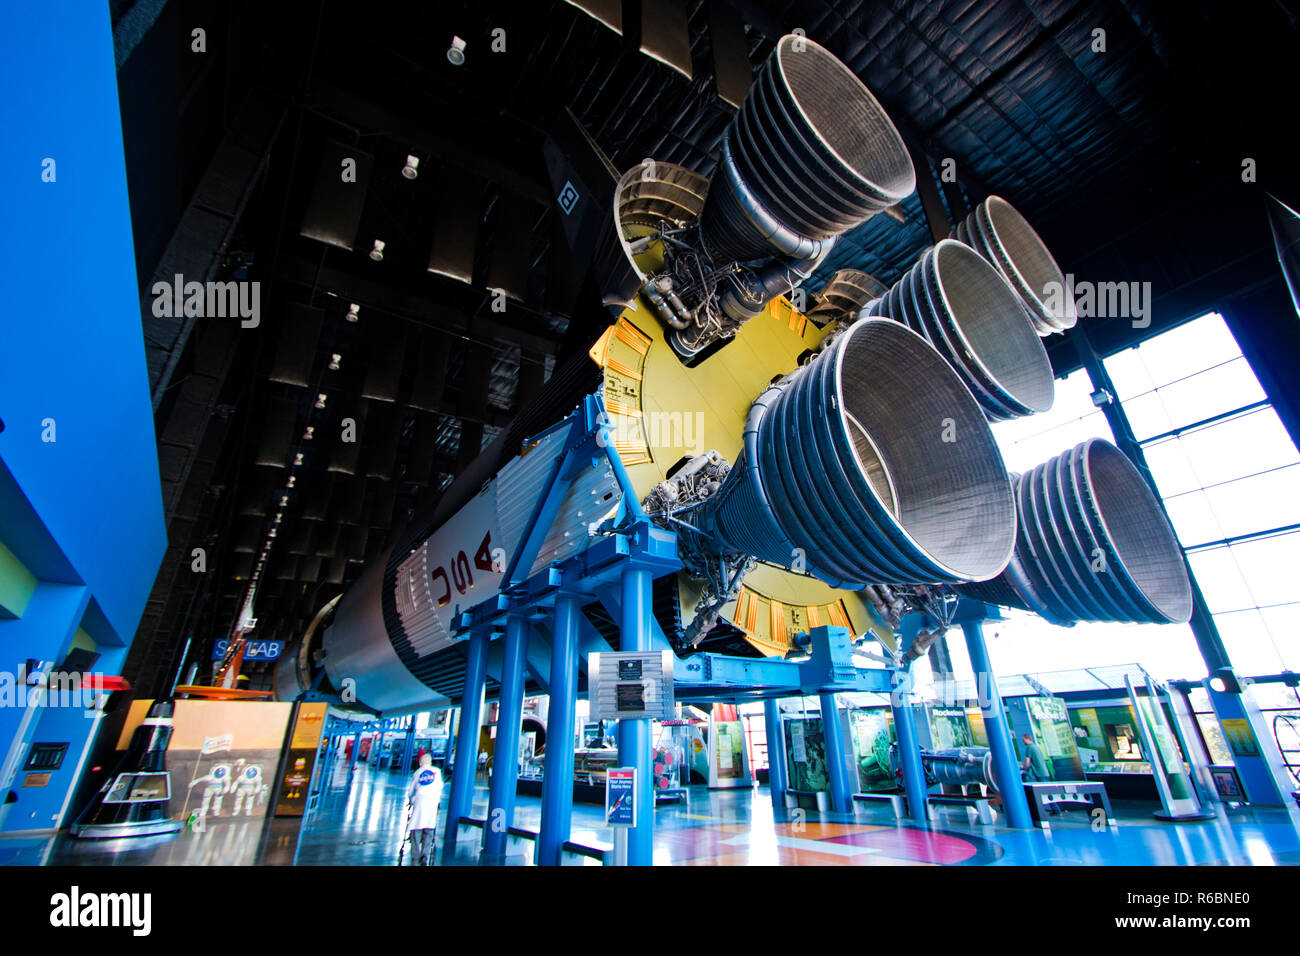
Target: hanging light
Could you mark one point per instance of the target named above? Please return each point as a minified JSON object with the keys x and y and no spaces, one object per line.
{"x":320,"y":400}
{"x":377,"y":253}
{"x":412,"y":167}
{"x":456,"y":52}
{"x":335,"y":359}
{"x":354,"y":310}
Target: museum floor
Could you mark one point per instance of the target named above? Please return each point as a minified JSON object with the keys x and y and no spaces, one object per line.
{"x":358,"y":825}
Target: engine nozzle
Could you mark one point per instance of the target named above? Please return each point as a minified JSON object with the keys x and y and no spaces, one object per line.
{"x":967,"y":311}
{"x":1093,"y":544}
{"x":810,"y":155}
{"x":871,"y":464}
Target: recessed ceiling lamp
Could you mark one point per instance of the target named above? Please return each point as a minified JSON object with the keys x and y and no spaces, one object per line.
{"x":412,"y":167}
{"x":377,"y":253}
{"x":456,"y":52}
{"x":354,"y":312}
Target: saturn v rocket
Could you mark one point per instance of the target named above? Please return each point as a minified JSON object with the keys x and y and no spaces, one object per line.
{"x":830,"y":464}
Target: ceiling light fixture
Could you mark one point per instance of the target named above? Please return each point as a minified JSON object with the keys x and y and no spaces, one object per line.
{"x":456,"y":52}
{"x":292,"y":479}
{"x":335,"y":359}
{"x":297,"y":459}
{"x":311,"y":429}
{"x":354,"y":312}
{"x":320,"y":400}
{"x":377,"y":253}
{"x":412,"y":167}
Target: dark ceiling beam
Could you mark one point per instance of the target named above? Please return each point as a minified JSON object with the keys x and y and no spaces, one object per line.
{"x":360,"y":113}
{"x":480,"y":330}
{"x":979,"y":92}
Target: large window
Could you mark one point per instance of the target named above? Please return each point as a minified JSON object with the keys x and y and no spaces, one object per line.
{"x":1026,"y":442}
{"x":1230,"y":478}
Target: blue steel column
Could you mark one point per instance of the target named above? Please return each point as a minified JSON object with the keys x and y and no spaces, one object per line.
{"x":461,"y":798}
{"x":1005,"y":770}
{"x":833,"y":734}
{"x":909,"y":750}
{"x":505,"y":761}
{"x":352,"y":758}
{"x":634,"y":735}
{"x":777,"y":780}
{"x":557,"y":780}
{"x":408,"y":750}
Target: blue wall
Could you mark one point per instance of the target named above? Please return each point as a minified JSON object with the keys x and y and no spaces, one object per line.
{"x":71,"y":346}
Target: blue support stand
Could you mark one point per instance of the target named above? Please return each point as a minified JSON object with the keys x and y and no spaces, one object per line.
{"x":356,"y":753}
{"x":1005,"y":771}
{"x":777,"y":778}
{"x":557,"y":780}
{"x":634,"y":735}
{"x":909,"y":753}
{"x":909,"y":747}
{"x":408,"y":751}
{"x":461,"y":798}
{"x":841,"y":791}
{"x":505,"y":763}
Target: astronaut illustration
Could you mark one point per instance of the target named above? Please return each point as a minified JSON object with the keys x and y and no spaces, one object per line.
{"x":217,"y":783}
{"x":249,"y":789}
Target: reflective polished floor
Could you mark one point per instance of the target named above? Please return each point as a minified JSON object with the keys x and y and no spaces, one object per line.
{"x":358,"y":823}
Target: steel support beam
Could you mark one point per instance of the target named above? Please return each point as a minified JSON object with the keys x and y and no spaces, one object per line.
{"x":634,"y":735}
{"x":777,"y":778}
{"x":557,"y":782}
{"x":909,"y":752}
{"x":461,"y":799}
{"x":505,"y":759}
{"x":833,"y":734}
{"x":1006,"y":772}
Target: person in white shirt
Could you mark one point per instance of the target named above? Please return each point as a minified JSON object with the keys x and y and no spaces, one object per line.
{"x":422,"y":800}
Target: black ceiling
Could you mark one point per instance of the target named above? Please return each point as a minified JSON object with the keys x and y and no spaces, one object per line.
{"x":1127,"y":160}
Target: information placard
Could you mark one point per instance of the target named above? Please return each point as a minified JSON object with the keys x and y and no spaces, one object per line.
{"x":620,"y":797}
{"x":631,"y":685}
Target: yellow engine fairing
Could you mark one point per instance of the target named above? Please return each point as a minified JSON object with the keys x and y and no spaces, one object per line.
{"x":662,"y":411}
